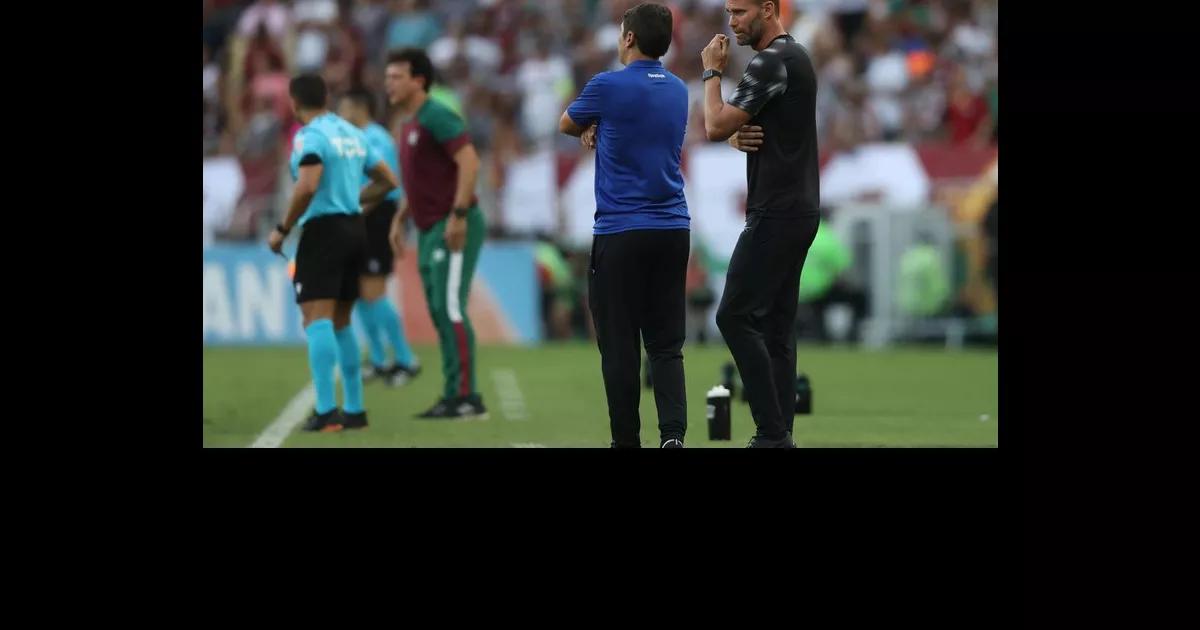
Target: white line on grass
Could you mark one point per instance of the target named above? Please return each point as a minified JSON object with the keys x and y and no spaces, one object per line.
{"x":512,"y":403}
{"x":293,"y":414}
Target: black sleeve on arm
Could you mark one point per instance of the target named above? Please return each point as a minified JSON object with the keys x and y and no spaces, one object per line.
{"x":765,"y":77}
{"x":310,"y":159}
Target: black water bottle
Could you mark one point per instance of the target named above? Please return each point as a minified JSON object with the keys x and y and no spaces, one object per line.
{"x":718,"y":413}
{"x":804,"y":394}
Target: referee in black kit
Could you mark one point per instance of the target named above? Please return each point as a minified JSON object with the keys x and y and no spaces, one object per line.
{"x":635,"y":118}
{"x":758,"y":309}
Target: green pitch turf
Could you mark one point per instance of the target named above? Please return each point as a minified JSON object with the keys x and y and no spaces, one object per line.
{"x":898,"y":397}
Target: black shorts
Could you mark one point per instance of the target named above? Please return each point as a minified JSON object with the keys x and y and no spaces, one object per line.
{"x":379,"y":250}
{"x":330,"y":258}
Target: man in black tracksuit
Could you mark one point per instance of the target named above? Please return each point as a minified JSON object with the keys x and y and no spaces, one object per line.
{"x":773,"y":114}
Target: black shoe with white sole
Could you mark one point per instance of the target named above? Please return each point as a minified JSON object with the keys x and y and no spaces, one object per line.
{"x":442,"y":409}
{"x":400,"y":375}
{"x":470,"y":408}
{"x":371,"y":372}
{"x":672,"y":443}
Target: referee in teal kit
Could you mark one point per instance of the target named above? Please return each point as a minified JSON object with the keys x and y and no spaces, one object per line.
{"x":329,"y":158}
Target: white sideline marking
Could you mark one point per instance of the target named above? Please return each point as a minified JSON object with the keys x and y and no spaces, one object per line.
{"x":293,"y":414}
{"x":512,"y":403}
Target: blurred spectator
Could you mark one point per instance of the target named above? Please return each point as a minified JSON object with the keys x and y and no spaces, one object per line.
{"x":506,"y":142}
{"x":968,"y":40}
{"x":693,"y":29}
{"x":505,"y":29}
{"x":223,"y":187}
{"x":835,"y":69}
{"x":850,"y":16}
{"x":346,"y":59}
{"x":261,"y":148}
{"x":212,"y":75}
{"x":319,"y":12}
{"x":558,"y":289}
{"x":923,"y":289}
{"x":270,"y":85}
{"x":262,"y":54}
{"x":811,"y":19}
{"x":313,"y":20}
{"x":906,"y":70}
{"x":264,"y":130}
{"x":607,"y":35}
{"x":700,"y":298}
{"x":412,"y":24}
{"x":924,"y":106}
{"x":370,"y":17}
{"x":220,"y":19}
{"x":824,"y":283}
{"x":852,"y":121}
{"x":966,"y":112}
{"x":481,"y":55}
{"x":271,"y":15}
{"x":451,"y":11}
{"x":547,"y":86}
{"x":886,"y":77}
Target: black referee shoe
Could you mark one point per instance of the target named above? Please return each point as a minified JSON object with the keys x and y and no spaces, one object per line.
{"x":354,"y":420}
{"x":761,"y":442}
{"x":672,"y":443}
{"x":400,"y":375}
{"x":327,"y":422}
{"x":371,"y":372}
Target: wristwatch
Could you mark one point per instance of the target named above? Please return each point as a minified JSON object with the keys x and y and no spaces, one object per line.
{"x":279,"y":227}
{"x":708,"y":74}
{"x":461,"y":212}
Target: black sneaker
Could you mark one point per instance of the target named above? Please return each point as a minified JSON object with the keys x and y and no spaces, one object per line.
{"x":354,"y":420}
{"x":400,"y":375}
{"x":443,"y":408}
{"x":470,"y":408}
{"x":672,"y":443}
{"x":761,"y":442}
{"x":371,"y":372}
{"x":328,"y":422}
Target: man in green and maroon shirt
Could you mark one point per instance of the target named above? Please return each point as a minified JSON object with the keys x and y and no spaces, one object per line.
{"x":438,"y":164}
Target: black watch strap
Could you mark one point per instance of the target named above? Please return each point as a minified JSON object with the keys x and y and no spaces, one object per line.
{"x":461,"y":212}
{"x":708,"y":74}
{"x":279,"y":226}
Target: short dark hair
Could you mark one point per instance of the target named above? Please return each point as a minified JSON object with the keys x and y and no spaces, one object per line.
{"x":651,"y":25}
{"x":774,"y":2}
{"x":362,"y":97}
{"x":308,"y":90}
{"x":418,"y":63}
